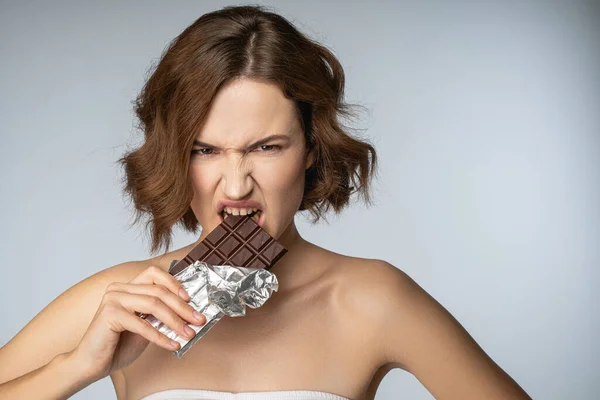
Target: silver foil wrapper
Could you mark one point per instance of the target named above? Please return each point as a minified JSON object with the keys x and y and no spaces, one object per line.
{"x":216,"y":291}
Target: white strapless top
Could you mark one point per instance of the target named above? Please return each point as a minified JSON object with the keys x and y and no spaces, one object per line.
{"x":195,"y":394}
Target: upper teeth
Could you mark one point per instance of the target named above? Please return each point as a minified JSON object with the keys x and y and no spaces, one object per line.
{"x":239,"y":211}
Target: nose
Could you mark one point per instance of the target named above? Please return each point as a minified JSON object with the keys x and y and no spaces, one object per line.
{"x":236,"y":176}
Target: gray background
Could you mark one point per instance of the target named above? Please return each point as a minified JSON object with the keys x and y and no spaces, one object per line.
{"x":485,"y":115}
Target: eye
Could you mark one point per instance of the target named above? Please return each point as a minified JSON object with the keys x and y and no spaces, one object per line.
{"x":204,"y":151}
{"x":269,"y":147}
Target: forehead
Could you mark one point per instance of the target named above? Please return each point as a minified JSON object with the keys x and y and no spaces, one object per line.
{"x":246,"y":110}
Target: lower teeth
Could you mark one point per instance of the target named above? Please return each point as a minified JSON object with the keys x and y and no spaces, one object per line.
{"x":254,"y":216}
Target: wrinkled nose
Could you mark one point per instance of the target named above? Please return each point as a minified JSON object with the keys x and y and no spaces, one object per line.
{"x":237,"y":179}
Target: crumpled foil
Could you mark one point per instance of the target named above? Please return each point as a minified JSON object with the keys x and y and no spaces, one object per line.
{"x":216,"y":291}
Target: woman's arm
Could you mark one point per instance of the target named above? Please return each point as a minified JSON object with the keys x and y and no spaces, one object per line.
{"x":59,"y":379}
{"x":36,"y":362}
{"x":412,"y":330}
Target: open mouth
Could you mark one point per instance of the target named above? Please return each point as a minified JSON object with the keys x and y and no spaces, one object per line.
{"x":252,"y":213}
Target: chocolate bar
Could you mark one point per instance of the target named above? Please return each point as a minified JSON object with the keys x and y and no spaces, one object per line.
{"x":237,"y":241}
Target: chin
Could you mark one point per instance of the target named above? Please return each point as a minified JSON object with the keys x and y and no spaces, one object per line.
{"x":277,"y":233}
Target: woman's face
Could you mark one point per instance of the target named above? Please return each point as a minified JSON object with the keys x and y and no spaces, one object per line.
{"x":250,"y":154}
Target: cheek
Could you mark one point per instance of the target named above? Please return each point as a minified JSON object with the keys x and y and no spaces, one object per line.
{"x":200,"y":179}
{"x":285,"y":179}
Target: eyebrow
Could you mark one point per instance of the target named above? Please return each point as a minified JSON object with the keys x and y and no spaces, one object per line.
{"x":251,"y":145}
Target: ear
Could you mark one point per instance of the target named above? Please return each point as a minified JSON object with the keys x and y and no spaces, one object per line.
{"x":310,"y":159}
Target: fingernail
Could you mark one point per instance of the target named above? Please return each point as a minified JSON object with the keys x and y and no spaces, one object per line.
{"x":198,"y":316}
{"x":189,"y":331}
{"x":184,"y":294}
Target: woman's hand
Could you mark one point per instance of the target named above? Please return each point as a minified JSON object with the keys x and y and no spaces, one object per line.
{"x":116,"y":337}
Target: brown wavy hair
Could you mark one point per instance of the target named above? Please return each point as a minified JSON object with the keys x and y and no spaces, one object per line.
{"x":240,"y":41}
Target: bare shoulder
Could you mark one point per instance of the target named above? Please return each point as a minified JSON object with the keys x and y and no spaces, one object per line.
{"x":365,"y":289}
{"x":371,"y":289}
{"x":366,"y":282}
{"x":76,"y":306}
{"x":409,"y":329}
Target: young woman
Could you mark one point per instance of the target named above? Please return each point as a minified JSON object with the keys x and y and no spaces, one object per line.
{"x":241,"y":117}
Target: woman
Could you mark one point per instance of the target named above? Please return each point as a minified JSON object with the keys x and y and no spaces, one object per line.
{"x":241,"y":117}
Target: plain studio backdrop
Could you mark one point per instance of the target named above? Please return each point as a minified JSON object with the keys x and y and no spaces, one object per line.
{"x":485,"y":116}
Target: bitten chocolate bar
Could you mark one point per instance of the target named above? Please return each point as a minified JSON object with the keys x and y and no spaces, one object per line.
{"x":227,"y":271}
{"x":237,"y":241}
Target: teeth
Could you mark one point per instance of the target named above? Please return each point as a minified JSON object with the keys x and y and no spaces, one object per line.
{"x":239,"y":211}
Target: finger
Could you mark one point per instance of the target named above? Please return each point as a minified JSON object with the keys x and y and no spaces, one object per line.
{"x":126,"y":321}
{"x":151,"y":305}
{"x":182,"y":308}
{"x":156,"y":276}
